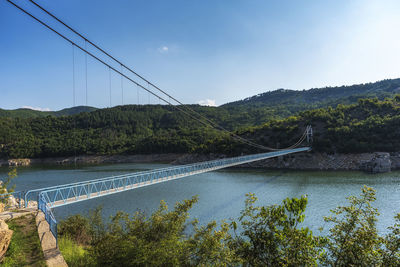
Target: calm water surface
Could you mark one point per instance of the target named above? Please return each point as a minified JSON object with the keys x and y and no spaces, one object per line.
{"x":222,"y":193}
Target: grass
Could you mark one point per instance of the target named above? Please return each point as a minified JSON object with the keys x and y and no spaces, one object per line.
{"x":74,"y":254}
{"x":25,"y":248}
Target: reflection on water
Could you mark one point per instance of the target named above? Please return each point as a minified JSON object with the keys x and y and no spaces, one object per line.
{"x":222,"y":193}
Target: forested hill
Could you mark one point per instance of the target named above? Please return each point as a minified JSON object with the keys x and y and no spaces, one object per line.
{"x":262,"y":108}
{"x":30,"y":113}
{"x":296,"y":100}
{"x":368,"y":126}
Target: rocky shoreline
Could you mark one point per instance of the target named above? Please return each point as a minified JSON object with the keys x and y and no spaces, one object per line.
{"x":377,"y":162}
{"x":370,"y":162}
{"x":85,"y":159}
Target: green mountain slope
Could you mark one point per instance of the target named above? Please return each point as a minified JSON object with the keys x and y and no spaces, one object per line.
{"x":261,"y":108}
{"x":282,"y":103}
{"x":370,"y":125}
{"x":30,"y":113}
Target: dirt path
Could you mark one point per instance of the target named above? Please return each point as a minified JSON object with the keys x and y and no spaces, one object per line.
{"x":25,"y":249}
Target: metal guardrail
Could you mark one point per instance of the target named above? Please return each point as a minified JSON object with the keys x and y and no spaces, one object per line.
{"x":9,"y":198}
{"x":32,"y":195}
{"x":60,"y":195}
{"x":49,"y":216}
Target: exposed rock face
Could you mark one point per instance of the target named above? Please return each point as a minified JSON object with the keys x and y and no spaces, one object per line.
{"x":7,"y":202}
{"x":5,"y":238}
{"x":192,"y":158}
{"x":15,"y":162}
{"x":84,"y":159}
{"x":380,"y":163}
{"x":300,"y":161}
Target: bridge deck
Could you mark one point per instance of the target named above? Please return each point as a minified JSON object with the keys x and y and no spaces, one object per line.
{"x":66,"y":194}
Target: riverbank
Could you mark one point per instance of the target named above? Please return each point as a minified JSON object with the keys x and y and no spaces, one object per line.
{"x":89,"y":159}
{"x":371,"y":162}
{"x":376,"y":162}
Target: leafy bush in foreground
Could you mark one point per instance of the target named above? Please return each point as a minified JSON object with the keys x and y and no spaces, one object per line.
{"x":268,"y":236}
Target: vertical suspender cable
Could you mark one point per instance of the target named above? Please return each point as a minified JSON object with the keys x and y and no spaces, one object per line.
{"x":86,"y":100}
{"x":73,"y":75}
{"x":186,"y":109}
{"x":73,"y":100}
{"x":122,"y":87}
{"x":109,"y":77}
{"x":148,"y":87}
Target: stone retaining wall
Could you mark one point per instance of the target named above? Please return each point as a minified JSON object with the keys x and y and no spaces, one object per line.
{"x":51,"y":252}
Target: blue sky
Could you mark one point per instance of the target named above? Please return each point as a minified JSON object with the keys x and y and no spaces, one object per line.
{"x":199,"y":51}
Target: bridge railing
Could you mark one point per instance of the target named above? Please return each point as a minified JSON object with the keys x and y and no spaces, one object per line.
{"x":32,"y":195}
{"x":49,"y":216}
{"x":61,"y":195}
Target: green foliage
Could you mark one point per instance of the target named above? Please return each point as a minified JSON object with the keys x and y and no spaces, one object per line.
{"x":353,"y":240}
{"x":158,"y":240}
{"x":368,"y":126}
{"x":263,"y":236}
{"x":5,"y":185}
{"x":345,"y":119}
{"x":354,"y":128}
{"x":271,"y":236}
{"x":123,"y":129}
{"x":77,"y":227}
{"x":29,"y":113}
{"x":73,"y":253}
{"x":299,"y":100}
{"x":391,"y":251}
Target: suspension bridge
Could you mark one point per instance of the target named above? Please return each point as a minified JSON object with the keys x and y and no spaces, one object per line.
{"x":60,"y":195}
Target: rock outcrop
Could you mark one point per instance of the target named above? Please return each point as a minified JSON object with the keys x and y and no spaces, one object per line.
{"x":85,"y":159}
{"x":19,"y":162}
{"x":380,"y":163}
{"x":5,"y":238}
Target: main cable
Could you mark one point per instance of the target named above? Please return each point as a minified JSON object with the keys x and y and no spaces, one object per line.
{"x":101,"y":61}
{"x":213,"y":124}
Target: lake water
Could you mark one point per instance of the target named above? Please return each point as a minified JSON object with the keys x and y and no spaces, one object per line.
{"x":222,"y":193}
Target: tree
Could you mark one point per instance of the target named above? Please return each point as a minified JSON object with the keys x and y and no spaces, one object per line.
{"x":353,"y":239}
{"x":4,"y":184}
{"x":158,"y":240}
{"x":391,"y":252}
{"x":271,"y":235}
{"x":5,"y":188}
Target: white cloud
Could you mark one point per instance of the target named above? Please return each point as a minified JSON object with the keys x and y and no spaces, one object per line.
{"x":207,"y":102}
{"x":163,"y":49}
{"x":37,"y":108}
